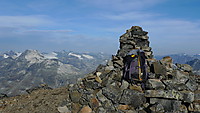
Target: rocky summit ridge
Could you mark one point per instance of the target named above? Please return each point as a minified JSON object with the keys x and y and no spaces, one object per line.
{"x":171,"y":88}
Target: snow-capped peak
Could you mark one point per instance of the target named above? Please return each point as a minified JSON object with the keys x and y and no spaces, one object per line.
{"x":75,"y":55}
{"x":33,"y":56}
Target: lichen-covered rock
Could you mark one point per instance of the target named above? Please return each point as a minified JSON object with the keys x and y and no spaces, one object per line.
{"x":124,"y":85}
{"x":136,"y":88}
{"x":154,"y":84}
{"x":113,"y":93}
{"x":192,"y":85}
{"x":159,"y":69}
{"x":184,"y":67}
{"x":188,"y":96}
{"x":75,"y":96}
{"x":157,"y":108}
{"x":133,"y":98}
{"x":172,"y":84}
{"x":168,"y":94}
{"x":168,"y":105}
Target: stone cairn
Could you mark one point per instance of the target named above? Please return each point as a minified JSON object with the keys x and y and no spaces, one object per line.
{"x":134,"y":38}
{"x":170,"y":88}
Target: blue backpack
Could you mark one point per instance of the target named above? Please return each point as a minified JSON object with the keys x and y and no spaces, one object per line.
{"x":135,"y":66}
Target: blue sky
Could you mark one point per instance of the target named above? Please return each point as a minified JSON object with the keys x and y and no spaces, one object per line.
{"x":96,"y":25}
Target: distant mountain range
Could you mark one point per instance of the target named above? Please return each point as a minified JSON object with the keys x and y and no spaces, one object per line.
{"x":21,"y":71}
{"x":196,"y":65}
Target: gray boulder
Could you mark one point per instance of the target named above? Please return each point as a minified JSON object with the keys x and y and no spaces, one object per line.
{"x":112,"y":93}
{"x":133,"y":98}
{"x":167,"y":94}
{"x":154,"y":84}
{"x":168,"y":105}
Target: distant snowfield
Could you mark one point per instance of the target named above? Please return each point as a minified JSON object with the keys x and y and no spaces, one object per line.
{"x":88,"y":56}
{"x":5,"y":56}
{"x":51,"y":55}
{"x":75,"y":55}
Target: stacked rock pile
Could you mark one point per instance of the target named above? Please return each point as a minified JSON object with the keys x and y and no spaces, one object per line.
{"x":134,"y":38}
{"x":170,"y":87}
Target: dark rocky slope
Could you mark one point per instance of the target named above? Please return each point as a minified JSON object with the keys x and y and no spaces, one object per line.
{"x":170,"y":88}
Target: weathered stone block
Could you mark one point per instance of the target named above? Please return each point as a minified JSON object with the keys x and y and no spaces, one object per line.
{"x":185,"y":67}
{"x":112,"y":93}
{"x":168,"y":105}
{"x":173,"y":84}
{"x":181,"y":77}
{"x":136,"y":88}
{"x":133,"y":98}
{"x":154,"y":84}
{"x":166,"y":60}
{"x":168,"y":94}
{"x":192,"y":85}
{"x":157,"y":108}
{"x":187,"y":96}
{"x":124,"y":85}
{"x":159,"y":69}
{"x":75,"y":96}
{"x":92,"y":84}
{"x":94,"y":103}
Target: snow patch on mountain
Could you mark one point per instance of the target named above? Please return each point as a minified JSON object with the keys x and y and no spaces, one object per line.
{"x":88,"y":56}
{"x":51,"y":55}
{"x":75,"y":55}
{"x":5,"y":56}
{"x":18,"y":54}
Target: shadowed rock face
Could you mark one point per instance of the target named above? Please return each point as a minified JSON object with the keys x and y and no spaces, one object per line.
{"x":170,"y":87}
